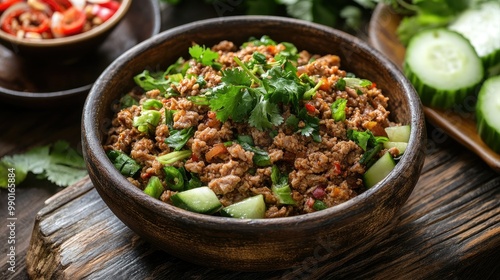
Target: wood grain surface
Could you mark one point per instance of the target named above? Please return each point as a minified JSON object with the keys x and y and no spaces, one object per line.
{"x":448,"y":229}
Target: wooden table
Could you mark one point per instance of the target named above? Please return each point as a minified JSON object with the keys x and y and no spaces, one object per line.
{"x":449,"y":228}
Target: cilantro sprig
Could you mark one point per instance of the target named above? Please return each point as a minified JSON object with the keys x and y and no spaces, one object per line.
{"x":58,"y":162}
{"x":256,"y":90}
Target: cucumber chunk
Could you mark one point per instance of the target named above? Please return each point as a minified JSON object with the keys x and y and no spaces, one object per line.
{"x":379,"y":170}
{"x":398,"y":133}
{"x":200,"y":200}
{"x":401,"y":146}
{"x":250,"y":208}
{"x":481,"y":27}
{"x":488,"y":113}
{"x":443,"y":67}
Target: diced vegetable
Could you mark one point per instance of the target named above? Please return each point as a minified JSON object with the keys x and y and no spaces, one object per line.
{"x":401,"y":146}
{"x":488,"y":113}
{"x":174,"y":178}
{"x":173,"y":157}
{"x":280,"y":187}
{"x":147,"y":121}
{"x":398,"y":133}
{"x":126,"y":165}
{"x":200,"y":200}
{"x":443,"y":67}
{"x":250,"y":208}
{"x":154,"y":188}
{"x":381,"y":168}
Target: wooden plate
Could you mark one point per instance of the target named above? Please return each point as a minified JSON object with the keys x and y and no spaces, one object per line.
{"x":458,"y":122}
{"x":30,"y":84}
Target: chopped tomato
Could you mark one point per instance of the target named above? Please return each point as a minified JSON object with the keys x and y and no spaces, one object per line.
{"x":38,"y":22}
{"x":5,"y":4}
{"x":112,"y":5}
{"x":325,"y":84}
{"x":337,"y":169}
{"x":102,"y":12}
{"x":58,"y":5}
{"x":216,"y":150}
{"x":310,"y":108}
{"x":71,"y":22}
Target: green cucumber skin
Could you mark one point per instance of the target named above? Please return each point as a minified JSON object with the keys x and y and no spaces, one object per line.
{"x":379,"y":170}
{"x":439,"y":98}
{"x":484,"y":125}
{"x":184,"y":200}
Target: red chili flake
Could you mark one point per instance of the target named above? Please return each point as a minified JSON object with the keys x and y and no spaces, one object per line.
{"x":319,"y":193}
{"x":211,"y":114}
{"x":310,"y":202}
{"x":337,"y":169}
{"x":194,"y":157}
{"x":145,"y":175}
{"x":374,"y":85}
{"x":310,"y":108}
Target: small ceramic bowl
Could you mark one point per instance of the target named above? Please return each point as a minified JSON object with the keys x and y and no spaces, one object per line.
{"x":253,"y":244}
{"x":65,"y":49}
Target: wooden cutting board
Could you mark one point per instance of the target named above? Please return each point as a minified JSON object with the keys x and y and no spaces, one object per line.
{"x":449,"y":228}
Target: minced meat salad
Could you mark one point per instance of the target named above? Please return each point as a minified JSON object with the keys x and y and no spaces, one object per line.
{"x":251,"y":131}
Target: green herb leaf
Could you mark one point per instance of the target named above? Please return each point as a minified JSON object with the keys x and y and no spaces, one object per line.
{"x":59,"y":163}
{"x":204,"y":56}
{"x":338,"y":109}
{"x":265,"y":115}
{"x":179,"y":138}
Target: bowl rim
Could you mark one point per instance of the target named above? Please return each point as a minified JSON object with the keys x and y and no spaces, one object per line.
{"x":56,"y":42}
{"x":93,"y":146}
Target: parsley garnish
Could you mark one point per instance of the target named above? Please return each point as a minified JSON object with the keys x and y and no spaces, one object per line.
{"x":58,"y":163}
{"x":205,"y":56}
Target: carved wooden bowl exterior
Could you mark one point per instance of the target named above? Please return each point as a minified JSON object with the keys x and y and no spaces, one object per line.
{"x":259,"y":244}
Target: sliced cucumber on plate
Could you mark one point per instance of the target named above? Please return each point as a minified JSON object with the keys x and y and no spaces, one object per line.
{"x":443,"y":67}
{"x":488,"y":113}
{"x":481,"y":26}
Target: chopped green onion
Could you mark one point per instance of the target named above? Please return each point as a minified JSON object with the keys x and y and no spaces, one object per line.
{"x":173,"y":157}
{"x":319,"y":205}
{"x":174,"y":178}
{"x":154,"y":188}
{"x":338,"y":109}
{"x":152,"y":104}
{"x":126,"y":165}
{"x":147,"y":121}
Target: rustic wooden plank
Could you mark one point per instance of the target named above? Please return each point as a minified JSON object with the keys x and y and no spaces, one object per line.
{"x":450,"y":224}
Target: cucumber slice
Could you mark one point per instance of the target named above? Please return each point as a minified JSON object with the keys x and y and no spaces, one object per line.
{"x":398,"y":133}
{"x":200,"y":200}
{"x":481,"y":27}
{"x":488,"y":113}
{"x":379,"y":170}
{"x":250,"y":208}
{"x":443,"y":67}
{"x":401,"y":146}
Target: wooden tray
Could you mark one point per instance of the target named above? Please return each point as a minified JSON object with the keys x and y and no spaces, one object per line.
{"x":458,"y":122}
{"x":449,"y":228}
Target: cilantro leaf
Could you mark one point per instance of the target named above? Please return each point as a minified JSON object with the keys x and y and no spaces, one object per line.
{"x":338,"y":109}
{"x":179,"y":138}
{"x":311,"y":127}
{"x":225,"y":101}
{"x":204,"y":56}
{"x":283,"y":86}
{"x":236,"y":76}
{"x":265,"y":115}
{"x":59,"y":163}
{"x":365,"y":139}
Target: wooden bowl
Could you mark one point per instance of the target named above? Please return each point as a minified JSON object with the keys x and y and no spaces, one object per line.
{"x":252,"y":244}
{"x":66,"y":49}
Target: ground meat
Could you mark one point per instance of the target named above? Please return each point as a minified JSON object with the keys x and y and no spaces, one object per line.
{"x":327,"y":169}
